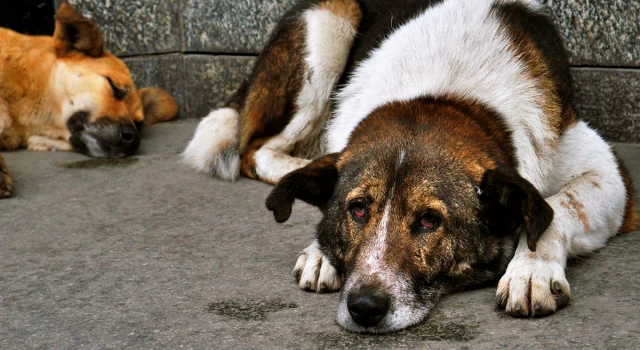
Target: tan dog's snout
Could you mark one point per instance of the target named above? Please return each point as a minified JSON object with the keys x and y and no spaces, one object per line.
{"x":103,"y":138}
{"x":126,"y":139}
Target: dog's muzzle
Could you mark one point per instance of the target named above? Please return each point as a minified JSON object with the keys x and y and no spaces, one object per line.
{"x":105,"y":138}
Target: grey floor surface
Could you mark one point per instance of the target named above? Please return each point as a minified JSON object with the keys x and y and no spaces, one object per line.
{"x":146,"y":254}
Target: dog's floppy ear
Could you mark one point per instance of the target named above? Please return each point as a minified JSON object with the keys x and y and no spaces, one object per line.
{"x":509,"y":202}
{"x":313,"y":184}
{"x":76,"y":33}
{"x":157,"y":105}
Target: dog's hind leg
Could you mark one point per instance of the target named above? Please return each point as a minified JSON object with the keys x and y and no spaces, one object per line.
{"x":287,"y":100}
{"x":593,"y":201}
{"x":330,"y":28}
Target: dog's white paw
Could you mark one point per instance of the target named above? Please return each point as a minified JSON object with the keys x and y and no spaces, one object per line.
{"x":314,"y":272}
{"x":44,"y":144}
{"x":533,"y":287}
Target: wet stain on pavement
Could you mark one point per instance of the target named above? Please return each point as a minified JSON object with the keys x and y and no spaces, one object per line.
{"x":248,"y":309}
{"x":101,"y":163}
{"x":455,"y":332}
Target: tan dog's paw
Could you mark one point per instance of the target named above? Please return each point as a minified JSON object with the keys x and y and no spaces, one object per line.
{"x":5,"y":182}
{"x":533,"y":287}
{"x":315,"y":273}
{"x":44,"y":144}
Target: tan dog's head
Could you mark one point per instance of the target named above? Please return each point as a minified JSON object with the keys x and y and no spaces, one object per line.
{"x":101,"y":106}
{"x":411,"y":212}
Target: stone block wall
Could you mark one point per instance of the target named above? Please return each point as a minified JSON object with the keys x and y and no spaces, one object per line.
{"x":201,"y":50}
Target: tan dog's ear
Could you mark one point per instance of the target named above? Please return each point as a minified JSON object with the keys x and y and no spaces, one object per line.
{"x":76,"y":33}
{"x":158,"y":105}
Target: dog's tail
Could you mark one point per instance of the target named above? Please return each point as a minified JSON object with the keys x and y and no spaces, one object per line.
{"x":157,"y":105}
{"x":214,"y":147}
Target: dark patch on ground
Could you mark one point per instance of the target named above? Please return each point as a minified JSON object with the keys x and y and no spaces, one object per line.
{"x":94,"y":163}
{"x":455,"y":332}
{"x":247,"y":309}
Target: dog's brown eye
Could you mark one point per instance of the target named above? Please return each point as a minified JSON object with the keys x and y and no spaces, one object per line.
{"x":359,"y":211}
{"x":430,"y":222}
{"x":119,"y":93}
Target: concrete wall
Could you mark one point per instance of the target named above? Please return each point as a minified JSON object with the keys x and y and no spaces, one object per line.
{"x":200,"y":50}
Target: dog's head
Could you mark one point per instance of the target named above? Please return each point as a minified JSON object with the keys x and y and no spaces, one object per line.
{"x":413,"y":208}
{"x":101,"y":107}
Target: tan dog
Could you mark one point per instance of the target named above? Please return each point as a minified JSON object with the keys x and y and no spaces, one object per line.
{"x":67,"y":93}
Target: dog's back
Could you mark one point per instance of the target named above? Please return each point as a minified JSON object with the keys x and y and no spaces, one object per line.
{"x":503,"y":53}
{"x":478,"y":50}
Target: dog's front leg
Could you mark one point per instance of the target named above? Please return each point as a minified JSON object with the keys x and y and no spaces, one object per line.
{"x":5,"y":180}
{"x":9,"y":140}
{"x":589,"y":207}
{"x":43,"y":143}
{"x":314,"y":272}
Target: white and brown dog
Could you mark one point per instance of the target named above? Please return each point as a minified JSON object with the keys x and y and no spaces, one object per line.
{"x":67,"y":93}
{"x":451,"y":155}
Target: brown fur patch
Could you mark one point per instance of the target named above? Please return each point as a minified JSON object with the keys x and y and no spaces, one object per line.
{"x":631,"y":220}
{"x":248,"y":162}
{"x":348,"y":9}
{"x":435,"y":249}
{"x":538,"y":72}
{"x":558,"y":112}
{"x":479,"y":139}
{"x":270,"y":101}
{"x":578,"y":208}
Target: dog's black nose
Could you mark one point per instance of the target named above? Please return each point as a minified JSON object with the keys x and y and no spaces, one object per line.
{"x":128,"y":134}
{"x":368,"y":305}
{"x":129,"y":141}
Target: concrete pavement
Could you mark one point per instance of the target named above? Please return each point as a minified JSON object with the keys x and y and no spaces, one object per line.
{"x":143,"y":253}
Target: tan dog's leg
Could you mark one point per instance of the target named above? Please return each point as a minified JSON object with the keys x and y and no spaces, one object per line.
{"x":9,"y":140}
{"x":43,"y":143}
{"x":5,"y":180}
